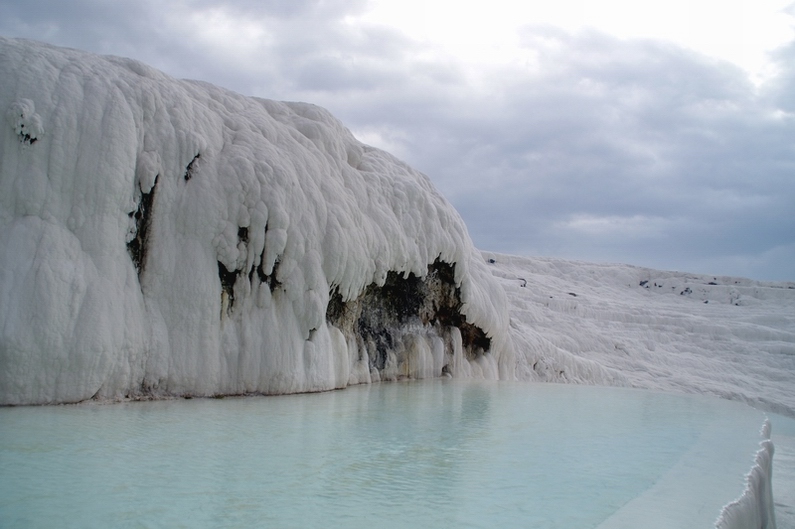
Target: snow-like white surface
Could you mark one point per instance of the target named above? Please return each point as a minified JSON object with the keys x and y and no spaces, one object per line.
{"x":281,"y":194}
{"x":784,"y":470}
{"x":623,"y":325}
{"x":754,"y":508}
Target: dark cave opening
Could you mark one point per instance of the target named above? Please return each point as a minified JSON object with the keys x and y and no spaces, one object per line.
{"x":378,"y":315}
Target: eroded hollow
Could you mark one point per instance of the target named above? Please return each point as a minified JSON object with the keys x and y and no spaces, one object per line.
{"x":228,"y":278}
{"x":142,"y":215}
{"x":191,"y":167}
{"x":380,"y":318}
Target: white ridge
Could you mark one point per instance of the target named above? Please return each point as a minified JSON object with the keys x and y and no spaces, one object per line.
{"x":263,"y":188}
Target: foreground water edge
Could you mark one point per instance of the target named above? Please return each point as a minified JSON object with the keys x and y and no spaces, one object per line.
{"x":438,"y":453}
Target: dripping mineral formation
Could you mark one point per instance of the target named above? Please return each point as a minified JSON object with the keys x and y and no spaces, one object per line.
{"x":166,"y":237}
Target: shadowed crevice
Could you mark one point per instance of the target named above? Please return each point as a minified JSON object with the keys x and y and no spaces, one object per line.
{"x":381,"y":314}
{"x":137,"y":247}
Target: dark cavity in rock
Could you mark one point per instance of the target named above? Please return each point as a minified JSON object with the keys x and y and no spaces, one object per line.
{"x":137,"y":247}
{"x":24,"y":137}
{"x":227,"y":283}
{"x":256,"y":273}
{"x":269,"y":280}
{"x":380,"y":316}
{"x":191,"y":167}
{"x":242,"y":234}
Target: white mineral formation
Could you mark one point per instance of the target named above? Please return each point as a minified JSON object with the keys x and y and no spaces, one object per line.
{"x":167,"y":237}
{"x":623,"y":325}
{"x":162,"y":237}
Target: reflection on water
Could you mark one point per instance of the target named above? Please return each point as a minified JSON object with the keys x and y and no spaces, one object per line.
{"x":440,"y":453}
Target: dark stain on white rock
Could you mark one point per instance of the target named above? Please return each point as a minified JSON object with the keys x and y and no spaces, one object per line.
{"x":380,"y":317}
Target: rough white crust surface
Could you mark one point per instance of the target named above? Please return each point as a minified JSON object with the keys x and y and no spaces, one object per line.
{"x":167,"y":237}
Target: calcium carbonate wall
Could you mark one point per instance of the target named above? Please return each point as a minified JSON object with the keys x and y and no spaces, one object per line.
{"x":166,"y":237}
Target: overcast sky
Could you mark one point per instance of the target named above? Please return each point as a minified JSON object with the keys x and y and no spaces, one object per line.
{"x":659,"y":134}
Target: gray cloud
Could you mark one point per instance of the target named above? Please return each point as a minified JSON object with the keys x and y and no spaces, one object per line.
{"x":318,"y":9}
{"x":633,"y":151}
{"x":602,"y":149}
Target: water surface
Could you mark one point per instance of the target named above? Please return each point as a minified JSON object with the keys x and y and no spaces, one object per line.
{"x":439,"y":453}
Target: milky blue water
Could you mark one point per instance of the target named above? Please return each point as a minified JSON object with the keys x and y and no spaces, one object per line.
{"x":439,"y":453}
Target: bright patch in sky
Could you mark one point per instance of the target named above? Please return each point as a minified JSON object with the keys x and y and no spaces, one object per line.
{"x":740,"y":31}
{"x":636,"y":226}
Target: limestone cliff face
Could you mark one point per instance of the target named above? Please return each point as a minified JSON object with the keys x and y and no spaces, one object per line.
{"x":165,"y":237}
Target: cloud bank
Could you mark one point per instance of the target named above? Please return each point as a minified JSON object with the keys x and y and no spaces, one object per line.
{"x":583,"y":145}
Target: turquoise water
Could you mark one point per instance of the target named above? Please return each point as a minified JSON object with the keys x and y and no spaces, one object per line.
{"x":439,"y":453}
